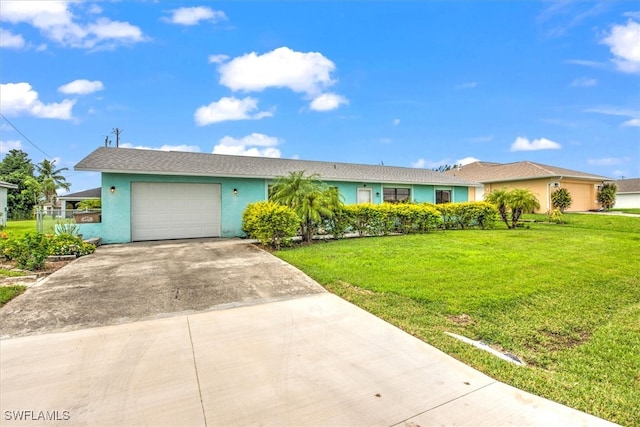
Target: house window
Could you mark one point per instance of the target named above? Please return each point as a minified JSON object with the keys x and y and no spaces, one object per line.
{"x":443,"y":196}
{"x":396,"y":195}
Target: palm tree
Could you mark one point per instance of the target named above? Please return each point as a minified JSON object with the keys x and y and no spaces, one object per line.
{"x":308,"y":197}
{"x":521,"y":200}
{"x":51,"y":179}
{"x":500,"y":198}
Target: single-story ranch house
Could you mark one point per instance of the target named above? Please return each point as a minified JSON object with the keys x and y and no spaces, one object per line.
{"x":541,"y":179}
{"x":155,"y":195}
{"x":628,"y":193}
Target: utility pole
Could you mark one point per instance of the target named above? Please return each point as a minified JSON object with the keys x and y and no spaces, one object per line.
{"x":117,"y":132}
{"x":107,"y":141}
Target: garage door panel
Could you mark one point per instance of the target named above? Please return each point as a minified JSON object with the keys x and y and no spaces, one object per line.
{"x":174,"y":210}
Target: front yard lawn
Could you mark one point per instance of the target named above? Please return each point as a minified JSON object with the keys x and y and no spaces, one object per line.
{"x":563,"y":298}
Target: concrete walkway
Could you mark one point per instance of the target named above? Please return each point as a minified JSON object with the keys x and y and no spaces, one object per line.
{"x":313,"y":360}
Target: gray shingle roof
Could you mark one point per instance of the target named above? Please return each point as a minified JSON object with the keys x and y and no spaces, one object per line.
{"x":129,"y":160}
{"x":94,"y":193}
{"x":631,"y":185}
{"x":496,"y":172}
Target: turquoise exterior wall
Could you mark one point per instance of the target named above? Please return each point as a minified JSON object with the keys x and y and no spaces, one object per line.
{"x":460,"y":194}
{"x":116,"y":206}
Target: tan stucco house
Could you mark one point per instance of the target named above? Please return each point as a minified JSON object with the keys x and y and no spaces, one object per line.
{"x":541,"y":179}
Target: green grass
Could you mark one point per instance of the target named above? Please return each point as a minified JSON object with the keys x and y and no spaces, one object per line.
{"x":21,"y":227}
{"x":7,"y":293}
{"x":10,"y":273}
{"x":564,"y":298}
{"x":628,"y":210}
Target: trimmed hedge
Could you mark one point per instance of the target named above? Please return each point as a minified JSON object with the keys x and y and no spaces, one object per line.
{"x":468,"y":215}
{"x":271,"y":223}
{"x":274,"y":224}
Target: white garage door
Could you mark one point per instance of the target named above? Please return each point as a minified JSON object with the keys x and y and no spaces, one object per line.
{"x":174,"y":210}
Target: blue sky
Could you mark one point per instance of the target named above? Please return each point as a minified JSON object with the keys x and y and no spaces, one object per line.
{"x":414,"y":84}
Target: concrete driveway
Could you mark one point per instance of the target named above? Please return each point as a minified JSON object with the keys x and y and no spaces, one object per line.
{"x":125,"y":283}
{"x":274,"y":349}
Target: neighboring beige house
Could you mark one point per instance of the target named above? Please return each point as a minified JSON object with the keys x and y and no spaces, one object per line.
{"x":4,"y":186}
{"x":628,"y":195}
{"x":541,"y":179}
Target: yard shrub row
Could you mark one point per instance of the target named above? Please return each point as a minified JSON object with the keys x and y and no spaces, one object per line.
{"x":31,"y":250}
{"x":275,"y":224}
{"x":271,"y":223}
{"x":468,"y":215}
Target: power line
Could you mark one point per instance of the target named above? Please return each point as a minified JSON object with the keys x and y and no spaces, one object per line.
{"x":24,"y":136}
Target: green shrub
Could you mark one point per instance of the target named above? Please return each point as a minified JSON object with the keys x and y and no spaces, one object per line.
{"x":368,"y":220}
{"x":561,"y":199}
{"x":468,"y":215}
{"x":29,"y":251}
{"x":90,"y":204}
{"x":340,"y":223}
{"x":271,"y":223}
{"x":69,"y":244}
{"x":555,"y":216}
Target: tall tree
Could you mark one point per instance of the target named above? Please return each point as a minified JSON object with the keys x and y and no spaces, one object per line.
{"x":516,"y":201}
{"x":51,"y":179}
{"x":16,"y":168}
{"x":521,"y":200}
{"x":500,"y":198}
{"x":309,"y":197}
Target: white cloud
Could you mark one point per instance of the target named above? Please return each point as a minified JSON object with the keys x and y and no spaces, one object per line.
{"x":584,"y":82}
{"x":584,"y":62}
{"x":229,"y":108}
{"x":256,"y":144}
{"x":608,"y":161}
{"x":418,"y":163}
{"x":328,"y":101}
{"x":623,"y":41}
{"x":9,"y":40}
{"x":634,"y":116}
{"x":385,"y":141}
{"x":467,"y":85}
{"x":484,"y":138}
{"x":634,"y":15}
{"x":301,"y":72}
{"x":467,"y":160}
{"x":218,"y":59}
{"x":187,"y":148}
{"x":523,"y":144}
{"x":81,"y":87}
{"x":6,"y":146}
{"x":20,"y":98}
{"x":58,"y":23}
{"x":396,"y":122}
{"x":194,"y":15}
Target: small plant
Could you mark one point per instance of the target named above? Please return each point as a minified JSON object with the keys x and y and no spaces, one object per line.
{"x":555,"y":216}
{"x":66,"y":227}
